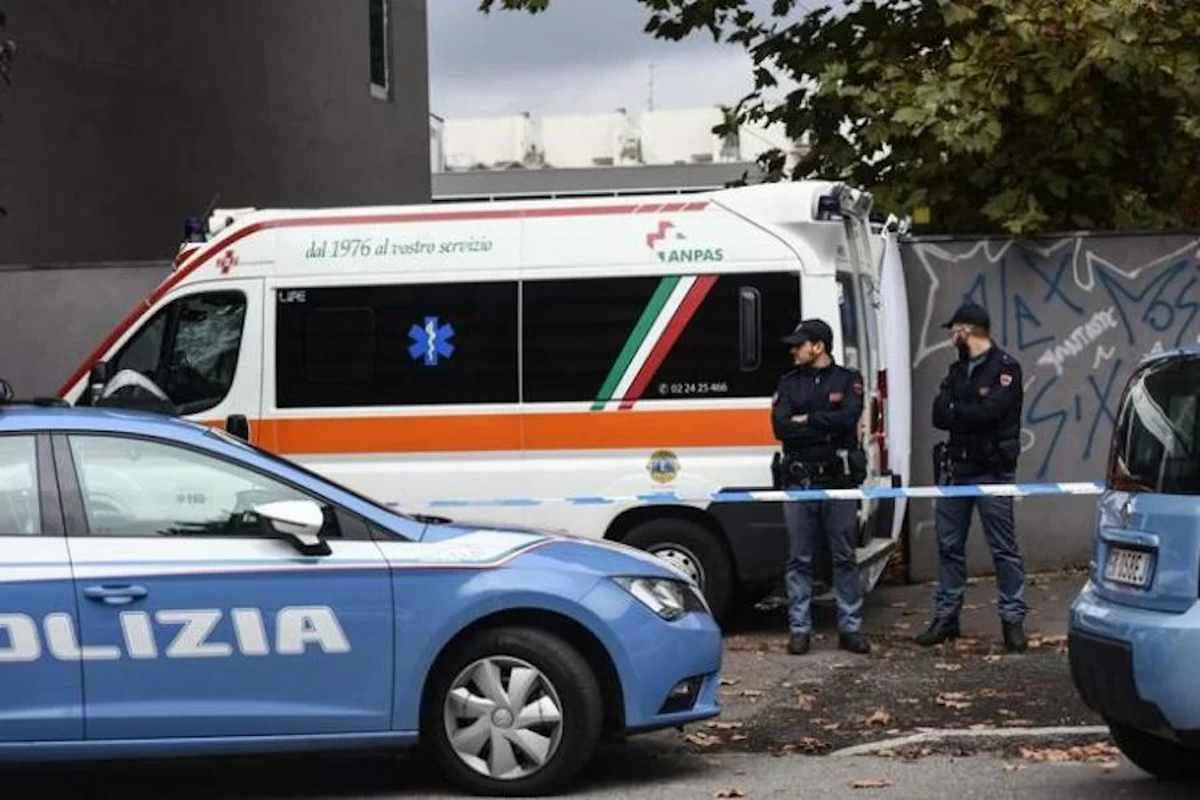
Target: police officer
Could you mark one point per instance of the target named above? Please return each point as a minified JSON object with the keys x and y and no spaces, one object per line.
{"x":979,"y":403}
{"x":815,"y":415}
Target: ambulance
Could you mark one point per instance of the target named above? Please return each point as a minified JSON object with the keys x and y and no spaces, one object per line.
{"x":540,"y":363}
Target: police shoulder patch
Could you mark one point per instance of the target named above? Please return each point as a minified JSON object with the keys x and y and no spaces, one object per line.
{"x":1006,"y":379}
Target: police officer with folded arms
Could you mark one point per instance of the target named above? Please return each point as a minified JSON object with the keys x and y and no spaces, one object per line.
{"x":979,"y":404}
{"x":815,"y":415}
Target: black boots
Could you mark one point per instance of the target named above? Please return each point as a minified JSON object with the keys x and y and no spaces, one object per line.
{"x":1014,"y":636}
{"x":854,"y":642}
{"x":943,"y":630}
{"x":800,"y":643}
{"x":940,"y":630}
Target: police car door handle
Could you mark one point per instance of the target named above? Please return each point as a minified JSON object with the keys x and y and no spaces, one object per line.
{"x":115,"y":595}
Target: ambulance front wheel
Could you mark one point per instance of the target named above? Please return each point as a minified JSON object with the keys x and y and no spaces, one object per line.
{"x":694,"y":550}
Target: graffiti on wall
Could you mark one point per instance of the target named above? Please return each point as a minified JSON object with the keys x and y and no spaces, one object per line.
{"x":1079,"y":313}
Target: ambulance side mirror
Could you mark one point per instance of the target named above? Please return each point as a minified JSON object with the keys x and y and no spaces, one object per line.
{"x":97,"y":380}
{"x":297,"y":522}
{"x":237,"y":425}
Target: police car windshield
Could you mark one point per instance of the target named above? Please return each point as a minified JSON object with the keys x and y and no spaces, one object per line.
{"x":1156,"y":447}
{"x":228,"y":438}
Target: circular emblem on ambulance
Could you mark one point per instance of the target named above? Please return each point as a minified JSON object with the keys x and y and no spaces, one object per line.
{"x":663,"y":466}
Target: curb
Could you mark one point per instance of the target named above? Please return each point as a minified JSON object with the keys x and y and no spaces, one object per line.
{"x":944,"y":734}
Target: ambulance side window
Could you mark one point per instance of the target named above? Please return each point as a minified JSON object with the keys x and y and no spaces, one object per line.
{"x":396,"y":345}
{"x":605,"y":340}
{"x":848,"y":313}
{"x":189,"y":349}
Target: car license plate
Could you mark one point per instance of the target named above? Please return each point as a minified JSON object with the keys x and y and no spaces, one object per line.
{"x":1128,"y":566}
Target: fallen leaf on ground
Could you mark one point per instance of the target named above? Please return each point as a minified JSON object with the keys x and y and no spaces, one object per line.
{"x":804,"y":702}
{"x":725,"y":726}
{"x":879,"y":717}
{"x":947,"y":667}
{"x":738,"y":737}
{"x":701,"y":739}
{"x":956,"y":701}
{"x":729,"y":793}
{"x":833,"y":726}
{"x":871,"y":783}
{"x":1101,"y":753}
{"x":750,"y":693}
{"x":993,"y":659}
{"x":729,"y":681}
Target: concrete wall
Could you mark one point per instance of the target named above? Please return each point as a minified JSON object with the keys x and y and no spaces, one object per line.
{"x":125,"y":116}
{"x":53,"y":318}
{"x":1078,"y":313}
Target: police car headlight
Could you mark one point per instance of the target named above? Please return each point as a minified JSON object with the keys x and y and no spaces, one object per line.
{"x":669,"y":599}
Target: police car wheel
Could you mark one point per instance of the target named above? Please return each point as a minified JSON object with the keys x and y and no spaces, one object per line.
{"x":1160,"y":757}
{"x":512,"y":712}
{"x":693,"y":549}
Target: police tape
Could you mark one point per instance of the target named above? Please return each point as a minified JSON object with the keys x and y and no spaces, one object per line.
{"x":1081,"y":489}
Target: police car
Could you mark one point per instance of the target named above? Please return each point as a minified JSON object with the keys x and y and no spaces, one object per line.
{"x":167,"y":589}
{"x":1135,"y":628}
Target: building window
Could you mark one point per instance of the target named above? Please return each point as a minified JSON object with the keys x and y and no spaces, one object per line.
{"x":380,"y":69}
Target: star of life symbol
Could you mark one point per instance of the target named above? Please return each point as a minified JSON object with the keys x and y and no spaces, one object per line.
{"x":431,"y":342}
{"x":227,"y":261}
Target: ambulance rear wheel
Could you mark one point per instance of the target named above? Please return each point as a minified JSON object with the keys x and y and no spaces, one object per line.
{"x":695,"y":551}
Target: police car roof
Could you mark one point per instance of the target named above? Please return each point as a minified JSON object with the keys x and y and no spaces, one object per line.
{"x":28,"y":417}
{"x":1187,"y":351}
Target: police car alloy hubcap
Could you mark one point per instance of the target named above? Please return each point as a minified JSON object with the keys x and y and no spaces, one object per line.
{"x":681,"y":558}
{"x":503,"y":717}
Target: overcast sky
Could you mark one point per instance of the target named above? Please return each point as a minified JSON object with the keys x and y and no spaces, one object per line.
{"x":579,"y":56}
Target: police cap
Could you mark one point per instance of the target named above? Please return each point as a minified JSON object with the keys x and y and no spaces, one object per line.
{"x":970,"y":314}
{"x":811,"y":330}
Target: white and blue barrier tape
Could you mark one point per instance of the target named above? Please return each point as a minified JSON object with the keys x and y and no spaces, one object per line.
{"x":794,"y":495}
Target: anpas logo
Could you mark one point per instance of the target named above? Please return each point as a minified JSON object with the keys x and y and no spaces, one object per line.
{"x":672,"y":247}
{"x":296,"y":627}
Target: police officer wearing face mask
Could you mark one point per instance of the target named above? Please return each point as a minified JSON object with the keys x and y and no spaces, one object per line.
{"x":815,"y":415}
{"x":980,"y":405}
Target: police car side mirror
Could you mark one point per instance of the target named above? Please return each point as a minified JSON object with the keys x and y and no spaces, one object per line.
{"x":297,"y":522}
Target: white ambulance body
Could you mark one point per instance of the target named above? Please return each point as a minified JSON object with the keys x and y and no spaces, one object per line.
{"x":541,"y":349}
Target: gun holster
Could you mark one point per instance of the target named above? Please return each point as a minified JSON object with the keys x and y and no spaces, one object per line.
{"x":943,"y":469}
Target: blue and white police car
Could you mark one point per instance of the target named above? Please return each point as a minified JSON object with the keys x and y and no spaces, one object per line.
{"x":1135,"y":628}
{"x":167,"y":589}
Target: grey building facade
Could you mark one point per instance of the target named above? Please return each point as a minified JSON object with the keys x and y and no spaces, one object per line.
{"x":124,"y":117}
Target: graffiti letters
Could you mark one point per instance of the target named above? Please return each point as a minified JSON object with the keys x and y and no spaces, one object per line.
{"x":1079,"y":312}
{"x":1079,"y":339}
